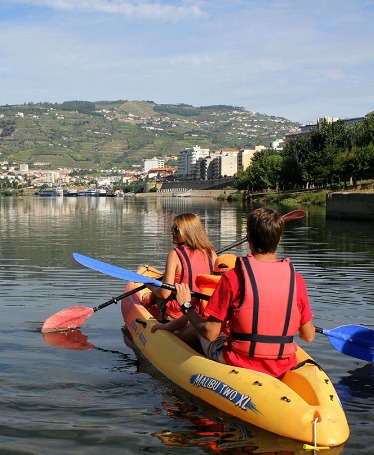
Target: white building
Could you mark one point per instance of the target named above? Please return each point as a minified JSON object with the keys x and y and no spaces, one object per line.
{"x":208,"y":167}
{"x":153,"y":163}
{"x":187,"y":161}
{"x":223,"y":163}
{"x":228,"y":164}
{"x":51,"y":176}
{"x":278,"y":144}
{"x":108,"y":180}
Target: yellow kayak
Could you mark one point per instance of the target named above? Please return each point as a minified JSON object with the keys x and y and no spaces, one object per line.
{"x":304,"y":405}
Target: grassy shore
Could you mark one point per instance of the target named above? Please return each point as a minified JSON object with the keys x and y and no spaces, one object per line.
{"x":307,"y":197}
{"x":290,"y":199}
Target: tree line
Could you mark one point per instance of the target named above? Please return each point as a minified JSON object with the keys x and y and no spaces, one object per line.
{"x":334,"y":155}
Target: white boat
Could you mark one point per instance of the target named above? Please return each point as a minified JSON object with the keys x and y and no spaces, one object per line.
{"x":97,"y":192}
{"x":91,"y":193}
{"x":70,"y":193}
{"x":185,"y":194}
{"x":101,"y":192}
{"x":51,"y":192}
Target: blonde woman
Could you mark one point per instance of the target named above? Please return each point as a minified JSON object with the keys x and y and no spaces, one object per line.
{"x":193,"y":254}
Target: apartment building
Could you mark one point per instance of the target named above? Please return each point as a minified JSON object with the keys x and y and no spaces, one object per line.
{"x":188,"y":167}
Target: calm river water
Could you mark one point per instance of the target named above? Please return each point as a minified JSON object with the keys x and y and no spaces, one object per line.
{"x":103,"y":400}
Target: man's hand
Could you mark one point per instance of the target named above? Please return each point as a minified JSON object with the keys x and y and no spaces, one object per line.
{"x":183,"y":293}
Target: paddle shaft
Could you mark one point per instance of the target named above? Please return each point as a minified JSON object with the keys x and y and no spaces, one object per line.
{"x":172,"y":288}
{"x":199,"y":295}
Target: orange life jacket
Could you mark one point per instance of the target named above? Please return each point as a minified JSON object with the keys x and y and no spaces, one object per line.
{"x":206,"y":284}
{"x":267,"y":319}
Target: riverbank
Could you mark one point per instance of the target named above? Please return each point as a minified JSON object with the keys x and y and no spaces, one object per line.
{"x":286,"y":198}
{"x":214,"y":194}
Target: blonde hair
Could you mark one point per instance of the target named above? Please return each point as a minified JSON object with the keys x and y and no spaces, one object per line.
{"x":193,"y":233}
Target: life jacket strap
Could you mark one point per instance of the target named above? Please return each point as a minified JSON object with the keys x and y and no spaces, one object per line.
{"x":254,"y":337}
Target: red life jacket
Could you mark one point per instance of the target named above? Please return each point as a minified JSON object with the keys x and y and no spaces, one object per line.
{"x":267,"y":319}
{"x":194,"y":262}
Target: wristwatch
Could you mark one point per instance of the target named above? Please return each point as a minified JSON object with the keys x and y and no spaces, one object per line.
{"x":186,"y":306}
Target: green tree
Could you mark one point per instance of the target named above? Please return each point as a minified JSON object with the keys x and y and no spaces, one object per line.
{"x":295,"y":171}
{"x":264,"y":172}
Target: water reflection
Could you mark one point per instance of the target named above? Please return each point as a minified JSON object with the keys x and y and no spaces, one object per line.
{"x":81,"y":224}
{"x":70,"y":339}
{"x":359,"y":383}
{"x":50,"y":389}
{"x":227,"y":436}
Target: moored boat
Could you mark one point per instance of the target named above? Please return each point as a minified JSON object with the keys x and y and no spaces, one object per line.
{"x":304,"y":405}
{"x":110,"y":193}
{"x":51,"y":192}
{"x":70,"y":193}
{"x":96,"y":192}
{"x":91,"y":193}
{"x":184,"y":194}
{"x":101,"y":192}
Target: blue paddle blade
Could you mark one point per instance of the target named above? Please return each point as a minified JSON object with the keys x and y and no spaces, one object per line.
{"x":353,"y":340}
{"x":112,"y":270}
{"x":128,"y":275}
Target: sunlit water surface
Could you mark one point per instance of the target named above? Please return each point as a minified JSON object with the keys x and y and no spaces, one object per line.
{"x":102,"y":399}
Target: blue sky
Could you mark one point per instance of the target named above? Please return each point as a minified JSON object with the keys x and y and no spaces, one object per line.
{"x":295,"y":59}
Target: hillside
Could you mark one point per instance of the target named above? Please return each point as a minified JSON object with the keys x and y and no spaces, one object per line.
{"x":121,"y":134}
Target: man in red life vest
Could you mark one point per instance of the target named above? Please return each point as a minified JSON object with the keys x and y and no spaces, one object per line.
{"x":263,"y":299}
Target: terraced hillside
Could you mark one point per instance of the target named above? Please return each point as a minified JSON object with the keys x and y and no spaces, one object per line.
{"x":121,"y":134}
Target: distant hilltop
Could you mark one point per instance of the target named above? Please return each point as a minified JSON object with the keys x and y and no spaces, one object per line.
{"x":122,"y":134}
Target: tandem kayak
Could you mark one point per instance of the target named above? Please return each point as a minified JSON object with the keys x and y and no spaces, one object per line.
{"x":303,"y":406}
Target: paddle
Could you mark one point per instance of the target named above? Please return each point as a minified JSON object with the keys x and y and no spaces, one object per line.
{"x":73,"y":317}
{"x":353,"y":340}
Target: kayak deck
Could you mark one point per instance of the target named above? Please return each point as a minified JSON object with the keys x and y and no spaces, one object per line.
{"x":303,"y":405}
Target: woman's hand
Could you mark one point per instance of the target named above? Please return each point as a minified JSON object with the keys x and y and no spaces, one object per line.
{"x":171,"y":326}
{"x":159,"y":326}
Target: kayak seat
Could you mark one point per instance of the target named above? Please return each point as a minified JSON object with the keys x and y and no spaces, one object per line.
{"x":301,"y":379}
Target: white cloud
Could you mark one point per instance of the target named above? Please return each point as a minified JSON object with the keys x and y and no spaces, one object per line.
{"x":288,"y":58}
{"x":166,"y":10}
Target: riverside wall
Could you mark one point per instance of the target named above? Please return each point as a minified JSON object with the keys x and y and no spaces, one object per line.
{"x":350,"y":206}
{"x":192,"y":193}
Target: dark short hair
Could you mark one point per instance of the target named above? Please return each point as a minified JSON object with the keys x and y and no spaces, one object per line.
{"x":265,"y":228}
